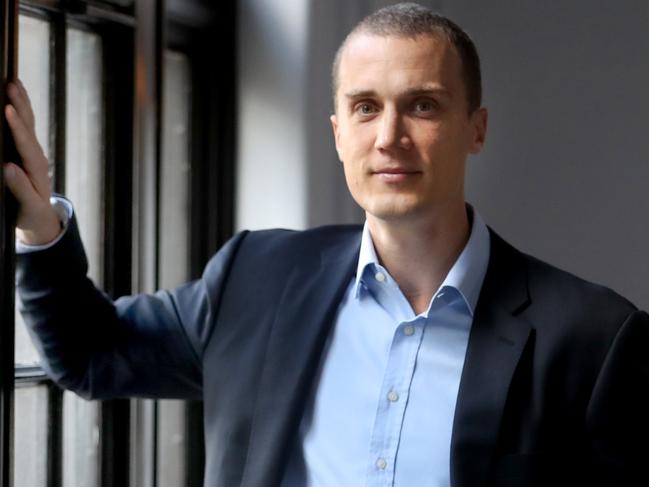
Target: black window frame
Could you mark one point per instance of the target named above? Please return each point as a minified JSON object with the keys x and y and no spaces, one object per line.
{"x":212,"y":189}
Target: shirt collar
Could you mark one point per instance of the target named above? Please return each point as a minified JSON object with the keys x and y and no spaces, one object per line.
{"x":466,"y":274}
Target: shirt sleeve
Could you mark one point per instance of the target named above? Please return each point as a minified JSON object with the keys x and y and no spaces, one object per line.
{"x":64,"y":211}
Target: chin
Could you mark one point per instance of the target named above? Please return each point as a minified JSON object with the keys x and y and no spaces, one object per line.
{"x":394,"y":210}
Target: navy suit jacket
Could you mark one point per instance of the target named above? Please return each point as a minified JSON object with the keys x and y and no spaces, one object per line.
{"x":554,"y":390}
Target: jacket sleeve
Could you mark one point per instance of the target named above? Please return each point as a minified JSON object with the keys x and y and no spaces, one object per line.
{"x":617,"y":418}
{"x":137,"y":346}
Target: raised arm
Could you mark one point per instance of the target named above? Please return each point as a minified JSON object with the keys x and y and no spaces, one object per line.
{"x":146,"y":345}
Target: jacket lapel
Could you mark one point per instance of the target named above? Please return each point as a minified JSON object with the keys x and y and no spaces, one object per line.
{"x":495,"y":346}
{"x":304,"y":318}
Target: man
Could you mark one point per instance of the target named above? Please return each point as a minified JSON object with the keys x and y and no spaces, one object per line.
{"x":420,"y":350}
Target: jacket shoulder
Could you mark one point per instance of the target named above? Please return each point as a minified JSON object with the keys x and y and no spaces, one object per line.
{"x":550,"y":282}
{"x":274,"y":252}
{"x":556,"y":299}
{"x":293,"y":245}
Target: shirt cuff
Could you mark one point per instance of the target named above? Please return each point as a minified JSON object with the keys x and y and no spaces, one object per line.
{"x":63,"y":209}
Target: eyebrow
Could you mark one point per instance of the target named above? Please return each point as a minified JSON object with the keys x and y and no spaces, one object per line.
{"x":414,"y":91}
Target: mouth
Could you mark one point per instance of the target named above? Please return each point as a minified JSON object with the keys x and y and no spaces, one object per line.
{"x":395,"y":174}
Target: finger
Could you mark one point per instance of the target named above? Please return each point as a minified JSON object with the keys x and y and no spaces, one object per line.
{"x":20,"y":186}
{"x":34,"y":161}
{"x":37,"y":222}
{"x":20,"y":100}
{"x":21,"y":85}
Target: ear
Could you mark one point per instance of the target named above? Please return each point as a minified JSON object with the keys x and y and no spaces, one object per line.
{"x":334,"y":126}
{"x":479,"y":122}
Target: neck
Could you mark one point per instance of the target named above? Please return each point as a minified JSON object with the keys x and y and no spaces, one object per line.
{"x":419,"y":254}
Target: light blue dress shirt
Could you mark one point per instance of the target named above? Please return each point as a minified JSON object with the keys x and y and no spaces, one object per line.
{"x":381,"y":413}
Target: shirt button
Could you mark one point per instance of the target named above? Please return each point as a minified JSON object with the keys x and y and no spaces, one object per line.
{"x":393,"y":396}
{"x":409,"y":330}
{"x":381,"y":463}
{"x":379,"y":276}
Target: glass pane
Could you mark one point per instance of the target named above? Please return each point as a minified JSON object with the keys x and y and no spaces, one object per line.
{"x":26,"y":354}
{"x":80,"y":442}
{"x":143,"y":439}
{"x":172,"y":443}
{"x":174,"y":174}
{"x":84,"y":147}
{"x":174,"y":244}
{"x":30,"y":423}
{"x":34,"y":71}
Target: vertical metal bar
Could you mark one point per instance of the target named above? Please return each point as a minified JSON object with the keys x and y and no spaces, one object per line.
{"x":118,"y":83}
{"x":58,"y":101}
{"x":159,"y":45}
{"x":55,"y":437}
{"x":9,"y":67}
{"x":115,"y":443}
{"x":195,"y":451}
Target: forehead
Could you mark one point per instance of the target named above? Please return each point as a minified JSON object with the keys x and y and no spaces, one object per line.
{"x":369,"y":61}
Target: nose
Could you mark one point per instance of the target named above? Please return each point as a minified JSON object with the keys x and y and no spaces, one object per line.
{"x":391,"y":132}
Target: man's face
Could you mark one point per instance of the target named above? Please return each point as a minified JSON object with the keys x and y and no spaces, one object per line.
{"x":402,"y":126}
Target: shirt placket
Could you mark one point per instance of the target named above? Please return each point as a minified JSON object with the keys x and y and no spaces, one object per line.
{"x":395,"y":390}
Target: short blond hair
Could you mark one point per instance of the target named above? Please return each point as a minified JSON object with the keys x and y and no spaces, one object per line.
{"x":412,"y":20}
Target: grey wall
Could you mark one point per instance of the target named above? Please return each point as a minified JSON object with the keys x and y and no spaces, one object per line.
{"x":565,"y":169}
{"x":271,"y":165}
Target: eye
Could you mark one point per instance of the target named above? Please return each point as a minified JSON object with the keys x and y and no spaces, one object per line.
{"x":425,"y":106}
{"x":365,"y":109}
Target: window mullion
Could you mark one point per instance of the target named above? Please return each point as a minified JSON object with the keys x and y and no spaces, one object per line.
{"x":118,"y":85}
{"x":55,"y":437}
{"x":8,"y":65}
{"x":195,"y":452}
{"x":57,"y":140}
{"x":115,"y":443}
{"x":58,"y":98}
